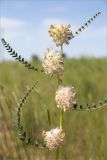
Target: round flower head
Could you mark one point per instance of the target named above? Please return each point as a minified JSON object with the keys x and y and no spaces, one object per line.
{"x":65,"y":97}
{"x":53,"y":62}
{"x":53,"y":138}
{"x":60,"y":34}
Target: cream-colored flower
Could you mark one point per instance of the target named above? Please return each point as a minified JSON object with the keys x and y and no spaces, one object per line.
{"x":53,"y":62}
{"x":65,"y":97}
{"x":60,"y":34}
{"x":53,"y":138}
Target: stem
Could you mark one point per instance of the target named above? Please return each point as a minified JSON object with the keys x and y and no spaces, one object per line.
{"x":61,"y":50}
{"x":61,"y":118}
{"x":57,"y":153}
{"x":61,"y":112}
{"x":59,"y":80}
{"x":49,"y":119}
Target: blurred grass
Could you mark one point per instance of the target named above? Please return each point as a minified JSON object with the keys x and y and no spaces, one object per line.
{"x":86,"y":132}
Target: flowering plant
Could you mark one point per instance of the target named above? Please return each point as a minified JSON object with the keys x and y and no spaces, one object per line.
{"x":65,"y":96}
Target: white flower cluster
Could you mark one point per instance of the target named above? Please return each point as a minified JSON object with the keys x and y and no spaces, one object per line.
{"x":53,"y":138}
{"x":65,"y":97}
{"x":53,"y":62}
{"x":60,"y":34}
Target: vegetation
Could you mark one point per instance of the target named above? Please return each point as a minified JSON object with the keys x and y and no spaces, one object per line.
{"x":86,"y":131}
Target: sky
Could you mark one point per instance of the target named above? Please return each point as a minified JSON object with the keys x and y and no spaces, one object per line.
{"x":24,"y":24}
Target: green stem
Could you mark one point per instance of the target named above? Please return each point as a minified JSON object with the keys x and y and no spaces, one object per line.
{"x":61,"y":112}
{"x":57,"y":153}
{"x":59,"y":80}
{"x":61,"y":50}
{"x":49,"y":118}
{"x":61,"y":118}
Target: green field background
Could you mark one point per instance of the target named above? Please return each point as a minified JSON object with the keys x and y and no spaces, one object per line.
{"x":86,"y":132}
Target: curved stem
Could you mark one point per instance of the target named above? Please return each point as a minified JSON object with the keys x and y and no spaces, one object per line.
{"x":21,"y":132}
